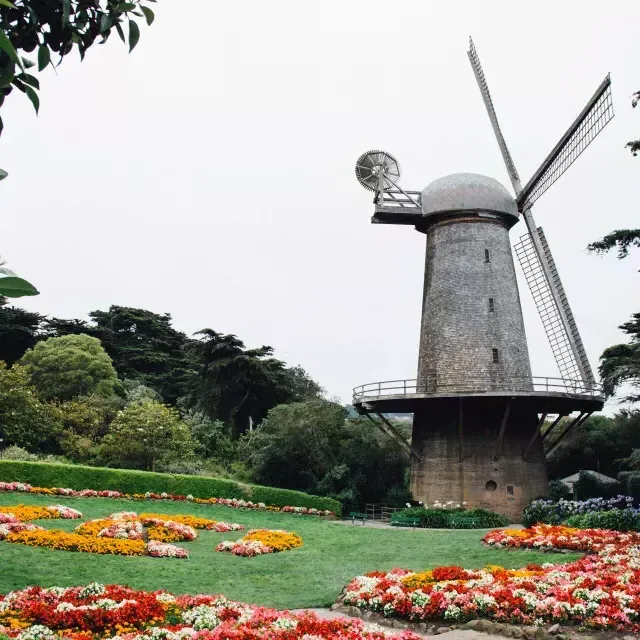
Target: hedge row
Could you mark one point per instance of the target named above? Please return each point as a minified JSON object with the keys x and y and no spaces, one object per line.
{"x":43,"y":474}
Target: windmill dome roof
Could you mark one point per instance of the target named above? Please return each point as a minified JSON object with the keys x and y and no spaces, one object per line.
{"x":467,"y":192}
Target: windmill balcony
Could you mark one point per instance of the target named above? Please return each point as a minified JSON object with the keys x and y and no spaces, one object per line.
{"x":406,"y":395}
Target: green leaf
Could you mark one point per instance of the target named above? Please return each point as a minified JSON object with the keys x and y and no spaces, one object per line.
{"x":28,"y":63}
{"x":7,"y":47}
{"x":33,"y":96}
{"x":44,"y":56}
{"x":120,"y":32}
{"x":105,"y":23}
{"x":126,"y":6}
{"x":148,"y":14}
{"x":134,"y":35}
{"x":7,"y":74}
{"x":12,"y":286}
{"x":6,"y":3}
{"x":30,"y":80}
{"x":66,"y":10}
{"x":3,"y":173}
{"x":1,"y":128}
{"x":16,"y":82}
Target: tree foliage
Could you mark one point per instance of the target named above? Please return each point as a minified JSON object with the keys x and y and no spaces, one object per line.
{"x":24,"y":420}
{"x":599,"y":444}
{"x":634,"y":145}
{"x":70,"y":366}
{"x":235,"y":384}
{"x":622,"y":239}
{"x":311,"y":447}
{"x":19,"y":330}
{"x":52,"y":29}
{"x":143,"y":346}
{"x":620,"y":364}
{"x":146,"y":433}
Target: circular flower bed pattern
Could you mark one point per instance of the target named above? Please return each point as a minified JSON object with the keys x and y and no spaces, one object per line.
{"x":260,"y":541}
{"x":601,"y":590}
{"x":122,"y":533}
{"x":97,"y":611}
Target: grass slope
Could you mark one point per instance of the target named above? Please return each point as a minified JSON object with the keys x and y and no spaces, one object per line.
{"x":311,"y":576}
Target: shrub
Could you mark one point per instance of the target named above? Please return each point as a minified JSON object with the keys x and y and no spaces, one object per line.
{"x":633,"y":486}
{"x":558,"y":490}
{"x":588,"y":486}
{"x":615,"y":519}
{"x":461,"y":519}
{"x":17,"y":453}
{"x":129,"y":481}
{"x":552,"y":512}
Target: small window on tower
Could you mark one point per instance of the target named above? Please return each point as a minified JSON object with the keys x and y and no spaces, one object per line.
{"x":492,"y":306}
{"x":495,"y":356}
{"x":487,"y":257}
{"x":509,"y":489}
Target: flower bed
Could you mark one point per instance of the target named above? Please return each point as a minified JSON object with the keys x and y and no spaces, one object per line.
{"x":119,"y":534}
{"x":91,"y":493}
{"x":96,"y":611}
{"x":260,"y":541}
{"x":545,"y":536}
{"x":25,"y":513}
{"x":601,"y":590}
{"x":195,"y":522}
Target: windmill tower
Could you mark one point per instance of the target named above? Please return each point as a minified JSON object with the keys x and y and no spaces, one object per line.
{"x":478,"y":410}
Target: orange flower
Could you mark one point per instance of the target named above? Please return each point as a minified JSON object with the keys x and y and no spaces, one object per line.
{"x":56,"y":539}
{"x":276,"y":539}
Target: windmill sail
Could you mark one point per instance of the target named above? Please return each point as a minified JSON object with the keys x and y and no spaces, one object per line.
{"x":591,"y":121}
{"x":533,"y":251}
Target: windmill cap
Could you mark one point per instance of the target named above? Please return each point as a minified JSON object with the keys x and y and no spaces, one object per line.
{"x":467,"y":192}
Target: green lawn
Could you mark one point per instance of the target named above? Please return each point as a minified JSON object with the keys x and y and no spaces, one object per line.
{"x":311,"y":576}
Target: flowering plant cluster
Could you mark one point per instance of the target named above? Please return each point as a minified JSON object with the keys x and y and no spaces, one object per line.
{"x":169,"y":531}
{"x":96,"y":611}
{"x":194,"y":522}
{"x":25,"y":513}
{"x":91,"y":493}
{"x":260,"y":541}
{"x":555,"y":512}
{"x":112,"y":528}
{"x":119,"y":534}
{"x":544,"y":536}
{"x":601,"y":590}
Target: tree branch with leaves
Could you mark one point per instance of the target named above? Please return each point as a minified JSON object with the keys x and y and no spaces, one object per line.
{"x":634,"y":145}
{"x":54,"y":28}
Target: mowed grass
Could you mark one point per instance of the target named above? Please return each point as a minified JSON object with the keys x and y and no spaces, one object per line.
{"x":311,"y":576}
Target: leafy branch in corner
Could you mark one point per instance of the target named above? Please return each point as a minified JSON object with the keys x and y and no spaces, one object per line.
{"x":634,"y":145}
{"x":52,"y":29}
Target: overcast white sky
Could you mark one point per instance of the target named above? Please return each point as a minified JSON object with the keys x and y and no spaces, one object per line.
{"x":210,"y":174}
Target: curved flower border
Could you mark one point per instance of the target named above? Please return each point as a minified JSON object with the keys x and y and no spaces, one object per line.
{"x":226,"y":502}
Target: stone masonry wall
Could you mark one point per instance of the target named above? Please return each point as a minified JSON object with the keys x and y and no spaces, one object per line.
{"x":459,"y":330}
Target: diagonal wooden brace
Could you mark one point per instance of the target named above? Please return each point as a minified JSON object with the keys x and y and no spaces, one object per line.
{"x":385,"y":426}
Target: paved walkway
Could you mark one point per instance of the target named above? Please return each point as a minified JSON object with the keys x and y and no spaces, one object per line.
{"x":375,"y":524}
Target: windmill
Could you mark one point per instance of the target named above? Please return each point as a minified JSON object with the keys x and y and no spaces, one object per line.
{"x":478,"y":411}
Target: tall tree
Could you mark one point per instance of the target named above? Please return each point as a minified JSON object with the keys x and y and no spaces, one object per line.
{"x":143,"y":346}
{"x":236,"y":385}
{"x":55,"y":28}
{"x":620,"y":364}
{"x":19,"y":331}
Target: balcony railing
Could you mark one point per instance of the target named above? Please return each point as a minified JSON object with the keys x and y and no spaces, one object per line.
{"x":409,"y":387}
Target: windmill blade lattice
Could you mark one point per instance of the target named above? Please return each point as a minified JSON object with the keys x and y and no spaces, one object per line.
{"x":377,"y":169}
{"x":593,"y":119}
{"x":484,"y":89}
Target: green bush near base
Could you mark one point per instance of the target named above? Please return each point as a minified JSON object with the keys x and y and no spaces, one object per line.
{"x":455,"y":518}
{"x":41,"y":474}
{"x":615,"y":519}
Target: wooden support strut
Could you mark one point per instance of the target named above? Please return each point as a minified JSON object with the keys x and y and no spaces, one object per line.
{"x":503,"y":428}
{"x":553,"y":425}
{"x":578,"y":421}
{"x":386,"y":427}
{"x":534,"y":437}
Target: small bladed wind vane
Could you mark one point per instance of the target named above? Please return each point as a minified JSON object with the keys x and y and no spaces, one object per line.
{"x":377,"y":170}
